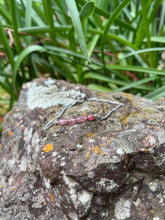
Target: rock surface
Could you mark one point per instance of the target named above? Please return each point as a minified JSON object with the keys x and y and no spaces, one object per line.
{"x":111,"y":169}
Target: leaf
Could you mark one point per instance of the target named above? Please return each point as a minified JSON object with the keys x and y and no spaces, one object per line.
{"x":8,"y":90}
{"x":22,"y":56}
{"x":99,"y":87}
{"x":115,"y":81}
{"x":114,"y":15}
{"x":77,"y":25}
{"x":138,"y":69}
{"x":87,"y":10}
{"x":157,"y":93}
{"x":137,"y":83}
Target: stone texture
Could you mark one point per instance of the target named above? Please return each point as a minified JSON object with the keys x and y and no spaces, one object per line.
{"x":111,"y":170}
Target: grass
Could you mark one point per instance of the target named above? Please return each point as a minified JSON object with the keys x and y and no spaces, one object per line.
{"x":107,"y":45}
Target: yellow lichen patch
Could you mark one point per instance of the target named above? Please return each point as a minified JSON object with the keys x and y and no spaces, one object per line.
{"x":52,"y":197}
{"x":124,"y":119}
{"x":12,"y":187}
{"x":48,"y":147}
{"x":98,"y":151}
{"x":89,"y":153}
{"x":1,"y":186}
{"x":10,"y":133}
{"x":90,"y":135}
{"x":129,"y":96}
{"x":152,"y":211}
{"x":44,"y":203}
{"x":145,"y":150}
{"x":11,"y":113}
{"x":161,"y":99}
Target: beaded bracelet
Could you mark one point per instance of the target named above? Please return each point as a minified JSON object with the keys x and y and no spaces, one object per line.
{"x":80,"y":119}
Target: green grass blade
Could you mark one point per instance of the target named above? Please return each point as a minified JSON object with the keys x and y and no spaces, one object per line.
{"x":115,"y":81}
{"x":104,"y":13}
{"x":98,"y":87}
{"x":8,"y":90}
{"x":5,"y":14}
{"x":6,"y":75}
{"x":162,"y":15}
{"x":157,"y":93}
{"x":143,"y":51}
{"x":28,"y":19}
{"x":22,"y":56}
{"x":48,"y":10}
{"x":134,"y":84}
{"x":87,"y":10}
{"x":6,"y":46}
{"x":112,"y":18}
{"x":77,"y":25}
{"x":146,"y":25}
{"x":43,"y":29}
{"x":113,"y":37}
{"x":137,"y":69}
{"x":12,"y":5}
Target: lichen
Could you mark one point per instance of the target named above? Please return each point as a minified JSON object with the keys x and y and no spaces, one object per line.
{"x":44,"y":96}
{"x":122,"y":209}
{"x":98,"y":150}
{"x":48,"y":147}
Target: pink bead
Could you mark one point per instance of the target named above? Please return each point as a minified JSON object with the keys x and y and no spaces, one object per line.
{"x":91,"y":117}
{"x":72,"y":121}
{"x":81,"y":118}
{"x":63,"y":121}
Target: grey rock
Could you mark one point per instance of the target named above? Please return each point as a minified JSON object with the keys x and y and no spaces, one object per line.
{"x":111,"y":169}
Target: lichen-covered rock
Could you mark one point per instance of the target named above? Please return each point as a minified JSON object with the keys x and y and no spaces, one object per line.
{"x":111,"y":169}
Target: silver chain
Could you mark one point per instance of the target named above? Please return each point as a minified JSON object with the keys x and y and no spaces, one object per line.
{"x":100,"y":118}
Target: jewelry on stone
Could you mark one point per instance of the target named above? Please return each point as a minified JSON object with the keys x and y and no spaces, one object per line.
{"x":79,"y":119}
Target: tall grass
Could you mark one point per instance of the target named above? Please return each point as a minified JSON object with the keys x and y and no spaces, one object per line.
{"x":108,"y":45}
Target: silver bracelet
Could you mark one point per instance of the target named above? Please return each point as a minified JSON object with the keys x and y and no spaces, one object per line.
{"x":80,"y":119}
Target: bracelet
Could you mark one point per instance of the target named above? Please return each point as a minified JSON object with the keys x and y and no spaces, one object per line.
{"x":80,"y":119}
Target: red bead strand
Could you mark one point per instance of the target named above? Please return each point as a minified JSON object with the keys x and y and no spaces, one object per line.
{"x":63,"y":121}
{"x":90,"y":117}
{"x":81,"y":118}
{"x":73,"y":120}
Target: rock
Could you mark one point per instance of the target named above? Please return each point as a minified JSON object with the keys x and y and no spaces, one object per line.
{"x":111,"y":169}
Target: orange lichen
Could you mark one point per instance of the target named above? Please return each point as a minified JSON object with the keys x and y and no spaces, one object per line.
{"x":11,"y":113}
{"x":145,"y":150}
{"x":89,"y":153}
{"x":44,"y":203}
{"x":129,"y":96}
{"x":152,"y":211}
{"x":90,"y":135}
{"x":161,"y":99}
{"x":52,"y":197}
{"x":98,"y":151}
{"x":16,"y":124}
{"x":48,"y":147}
{"x":24,"y":136}
{"x":12,"y":187}
{"x":1,"y":186}
{"x":10,"y":133}
{"x":0,"y":146}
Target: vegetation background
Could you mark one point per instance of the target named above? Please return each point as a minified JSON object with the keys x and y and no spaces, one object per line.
{"x":108,"y":45}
